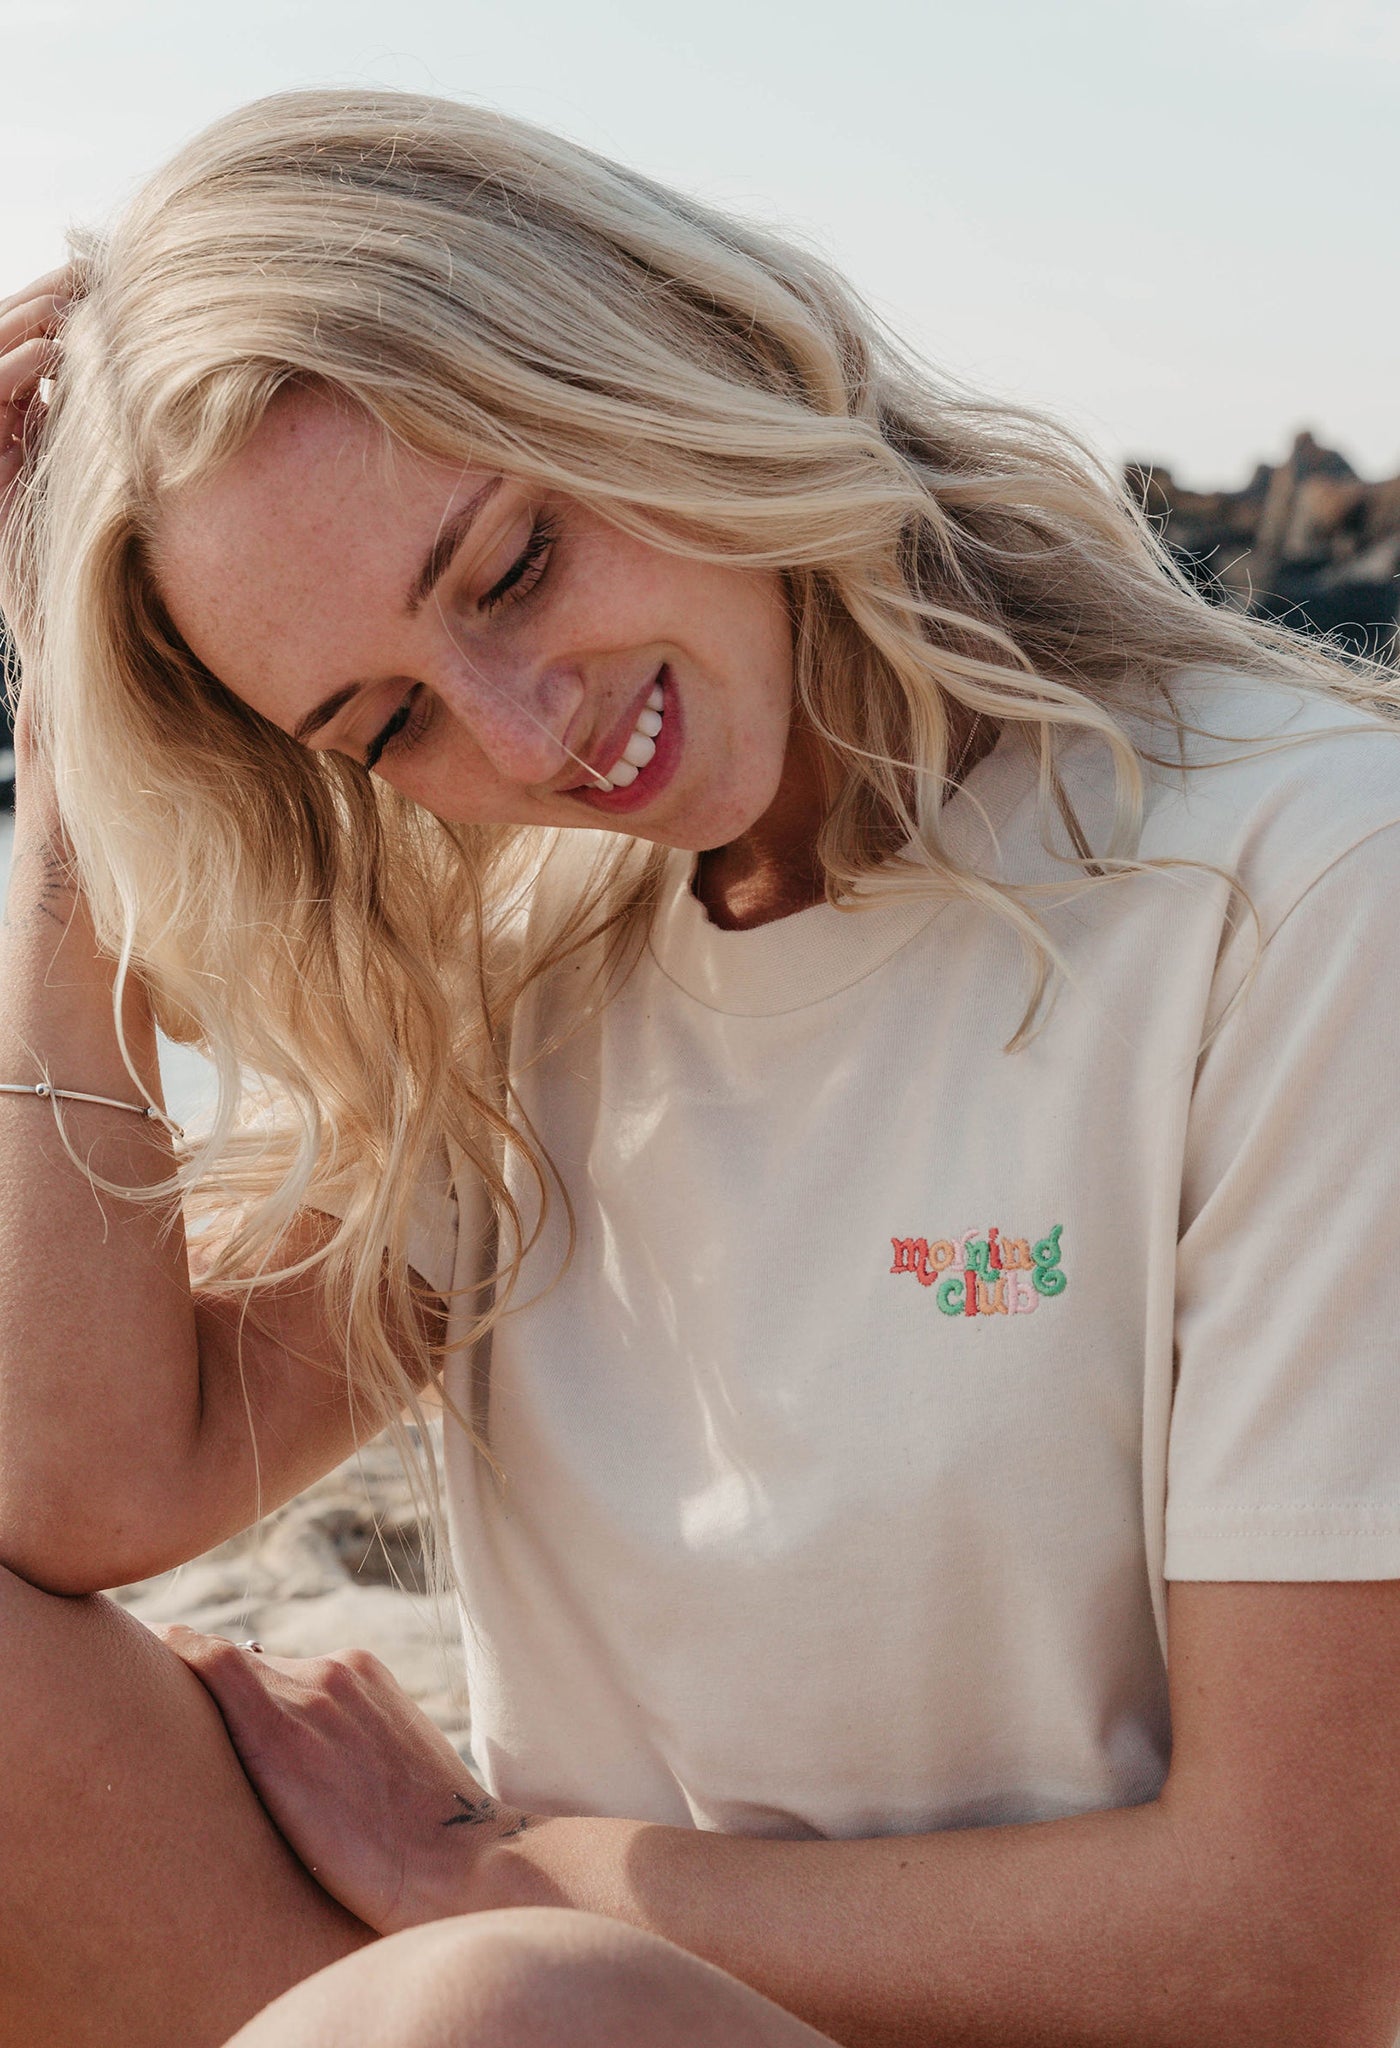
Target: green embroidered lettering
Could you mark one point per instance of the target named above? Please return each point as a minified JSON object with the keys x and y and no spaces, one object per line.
{"x":950,"y":1296}
{"x":1048,"y":1278}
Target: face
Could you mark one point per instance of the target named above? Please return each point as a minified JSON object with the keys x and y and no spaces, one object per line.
{"x":498,"y":654}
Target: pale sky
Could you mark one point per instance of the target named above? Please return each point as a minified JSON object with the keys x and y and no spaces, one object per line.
{"x":1173,"y":224}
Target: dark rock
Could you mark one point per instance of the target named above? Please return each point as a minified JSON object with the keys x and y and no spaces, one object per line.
{"x":1307,"y":542}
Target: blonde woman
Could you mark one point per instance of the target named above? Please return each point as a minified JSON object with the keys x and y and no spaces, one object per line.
{"x":760,"y":943}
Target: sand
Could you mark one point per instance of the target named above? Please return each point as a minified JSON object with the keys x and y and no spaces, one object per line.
{"x":315,"y":1577}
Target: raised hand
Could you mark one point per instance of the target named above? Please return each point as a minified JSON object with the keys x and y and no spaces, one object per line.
{"x":29,"y":323}
{"x":371,"y":1796}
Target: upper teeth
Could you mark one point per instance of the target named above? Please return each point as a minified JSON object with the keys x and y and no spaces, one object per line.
{"x":642,"y":745}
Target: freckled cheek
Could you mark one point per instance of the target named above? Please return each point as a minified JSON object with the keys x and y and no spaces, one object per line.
{"x":454,"y":781}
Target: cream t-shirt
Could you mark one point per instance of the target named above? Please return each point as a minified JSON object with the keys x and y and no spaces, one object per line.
{"x":841,"y":1469}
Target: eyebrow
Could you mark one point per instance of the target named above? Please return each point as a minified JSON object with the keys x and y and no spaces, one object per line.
{"x":439,"y":558}
{"x":453,"y":533}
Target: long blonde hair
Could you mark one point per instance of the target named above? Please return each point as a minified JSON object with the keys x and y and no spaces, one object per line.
{"x":491,"y":293}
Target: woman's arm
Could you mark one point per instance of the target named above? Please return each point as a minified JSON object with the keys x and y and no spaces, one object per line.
{"x":125,"y":1407}
{"x":1256,"y":1901}
{"x":1255,"y":1904}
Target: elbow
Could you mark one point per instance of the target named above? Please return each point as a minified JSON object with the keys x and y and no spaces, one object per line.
{"x":1284,"y":1939}
{"x":73,"y":1548}
{"x":1281,"y":2010}
{"x":1358,"y":2005}
{"x":1319,"y":1983}
{"x":1347,"y":2023}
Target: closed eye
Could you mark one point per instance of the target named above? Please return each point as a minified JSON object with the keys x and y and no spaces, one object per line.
{"x":395,"y":725}
{"x":527,"y":570}
{"x":524,"y":576}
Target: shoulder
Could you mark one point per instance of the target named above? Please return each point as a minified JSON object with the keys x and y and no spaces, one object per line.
{"x":1271,"y":782}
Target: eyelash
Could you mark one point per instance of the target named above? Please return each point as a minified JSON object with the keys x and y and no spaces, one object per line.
{"x":525,"y":574}
{"x":403,"y":730}
{"x":527,"y":570}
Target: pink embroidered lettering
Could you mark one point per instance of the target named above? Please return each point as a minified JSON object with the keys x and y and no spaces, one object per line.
{"x":1021,"y":1297}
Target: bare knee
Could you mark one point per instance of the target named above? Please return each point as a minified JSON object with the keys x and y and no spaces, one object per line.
{"x":56,"y":1644}
{"x":39,"y":1631}
{"x":517,"y":1979}
{"x":533,"y":1978}
{"x":136,"y":1839}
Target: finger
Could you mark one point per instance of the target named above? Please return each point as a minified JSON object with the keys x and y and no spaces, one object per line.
{"x":221,"y":1662}
{"x":54,"y":284}
{"x":36,"y":316}
{"x":20,"y":372}
{"x":195,"y":1641}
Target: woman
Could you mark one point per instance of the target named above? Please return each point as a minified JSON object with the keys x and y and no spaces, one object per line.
{"x":755,"y":932}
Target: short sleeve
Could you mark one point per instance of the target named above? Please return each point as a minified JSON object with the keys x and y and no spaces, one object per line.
{"x":1284,"y":1452}
{"x":433,"y":1227}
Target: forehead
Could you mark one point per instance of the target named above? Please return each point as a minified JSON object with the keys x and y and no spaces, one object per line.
{"x":303,"y":474}
{"x":274,"y":568}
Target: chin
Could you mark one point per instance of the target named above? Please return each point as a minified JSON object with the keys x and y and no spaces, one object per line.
{"x":713,"y":825}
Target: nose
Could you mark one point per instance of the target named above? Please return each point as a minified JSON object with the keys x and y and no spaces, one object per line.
{"x":516,"y":712}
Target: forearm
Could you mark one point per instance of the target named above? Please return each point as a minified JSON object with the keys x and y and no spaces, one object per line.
{"x":1121,"y":1928}
{"x":98,"y":1363}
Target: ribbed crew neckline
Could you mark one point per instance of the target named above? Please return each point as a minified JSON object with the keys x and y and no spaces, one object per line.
{"x":796,"y":961}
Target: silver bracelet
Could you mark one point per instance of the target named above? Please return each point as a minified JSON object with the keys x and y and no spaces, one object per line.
{"x":46,"y":1090}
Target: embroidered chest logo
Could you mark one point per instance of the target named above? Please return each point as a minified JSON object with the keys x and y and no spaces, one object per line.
{"x":984,"y":1276}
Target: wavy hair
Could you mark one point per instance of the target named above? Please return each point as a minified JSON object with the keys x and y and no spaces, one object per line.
{"x":490,"y":293}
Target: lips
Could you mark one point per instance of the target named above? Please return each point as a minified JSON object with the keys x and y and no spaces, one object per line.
{"x":605,"y":757}
{"x":651,"y":778}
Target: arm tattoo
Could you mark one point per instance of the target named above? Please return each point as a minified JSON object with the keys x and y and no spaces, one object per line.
{"x":56,"y":893}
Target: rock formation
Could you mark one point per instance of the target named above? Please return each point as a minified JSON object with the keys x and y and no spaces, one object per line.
{"x":1307,"y":542}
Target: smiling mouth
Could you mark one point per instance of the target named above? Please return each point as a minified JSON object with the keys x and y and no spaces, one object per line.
{"x":649,"y":757}
{"x":638,"y":750}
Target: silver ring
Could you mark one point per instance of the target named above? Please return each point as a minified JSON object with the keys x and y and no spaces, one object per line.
{"x":252,"y":1644}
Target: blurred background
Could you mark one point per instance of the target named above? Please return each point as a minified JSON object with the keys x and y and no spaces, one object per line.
{"x":1173,"y":227}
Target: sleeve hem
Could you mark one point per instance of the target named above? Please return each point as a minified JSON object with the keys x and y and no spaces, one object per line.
{"x":1287,"y":1549}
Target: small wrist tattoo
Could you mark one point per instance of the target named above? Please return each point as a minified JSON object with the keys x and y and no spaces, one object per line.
{"x":483,"y":1812}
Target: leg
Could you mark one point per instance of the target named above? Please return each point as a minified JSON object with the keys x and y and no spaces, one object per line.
{"x":530,"y":1978}
{"x":146,"y":1901}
